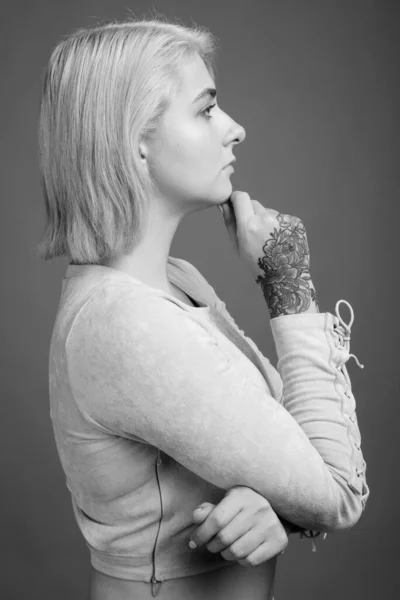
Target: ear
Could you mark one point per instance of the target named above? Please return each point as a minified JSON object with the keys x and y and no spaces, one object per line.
{"x":143,"y":151}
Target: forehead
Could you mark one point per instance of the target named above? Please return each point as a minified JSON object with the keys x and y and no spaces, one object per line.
{"x":194,"y":78}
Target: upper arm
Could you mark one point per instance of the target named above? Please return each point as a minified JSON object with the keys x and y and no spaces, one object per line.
{"x":152,"y":370}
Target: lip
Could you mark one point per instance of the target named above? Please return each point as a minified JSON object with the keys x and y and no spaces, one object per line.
{"x":230,"y":163}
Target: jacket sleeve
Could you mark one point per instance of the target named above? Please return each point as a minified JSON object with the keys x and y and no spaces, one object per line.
{"x":358,"y":463}
{"x":151,"y":369}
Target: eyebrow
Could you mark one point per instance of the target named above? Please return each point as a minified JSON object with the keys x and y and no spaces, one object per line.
{"x":212,"y":92}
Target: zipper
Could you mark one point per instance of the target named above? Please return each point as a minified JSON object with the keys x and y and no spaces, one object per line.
{"x":156,"y":583}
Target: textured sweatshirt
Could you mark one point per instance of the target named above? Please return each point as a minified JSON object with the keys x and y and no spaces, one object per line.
{"x":158,"y":406}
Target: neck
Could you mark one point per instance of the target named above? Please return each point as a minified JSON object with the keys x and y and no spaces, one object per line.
{"x":148,"y":260}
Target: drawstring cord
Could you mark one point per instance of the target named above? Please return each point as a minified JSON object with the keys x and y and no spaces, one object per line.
{"x":312,"y":535}
{"x":343,"y":330}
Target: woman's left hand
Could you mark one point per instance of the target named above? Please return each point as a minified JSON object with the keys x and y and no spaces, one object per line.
{"x":243,"y":527}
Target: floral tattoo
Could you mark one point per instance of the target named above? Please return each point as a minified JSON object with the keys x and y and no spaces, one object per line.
{"x":286,"y":264}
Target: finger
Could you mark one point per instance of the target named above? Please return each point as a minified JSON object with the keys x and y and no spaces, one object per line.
{"x":242,"y":206}
{"x":218,"y":518}
{"x":235,"y":530}
{"x":230,"y":223}
{"x":199,"y":514}
{"x":258,"y":207}
{"x":244,"y":545}
{"x":229,"y":215}
{"x":261,"y":554}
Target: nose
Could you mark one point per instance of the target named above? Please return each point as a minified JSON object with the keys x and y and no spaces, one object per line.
{"x":241,"y":136}
{"x":237,"y":133}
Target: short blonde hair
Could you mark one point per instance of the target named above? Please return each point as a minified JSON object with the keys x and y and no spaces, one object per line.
{"x":105,"y":87}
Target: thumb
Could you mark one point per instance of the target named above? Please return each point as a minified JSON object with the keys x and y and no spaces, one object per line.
{"x":202,"y":511}
{"x":243,"y":208}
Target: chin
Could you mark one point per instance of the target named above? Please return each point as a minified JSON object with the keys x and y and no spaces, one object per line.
{"x":224,"y":192}
{"x":216,"y":195}
{"x":226,"y":195}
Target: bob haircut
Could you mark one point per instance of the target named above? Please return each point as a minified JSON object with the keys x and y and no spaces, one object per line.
{"x":105,"y":87}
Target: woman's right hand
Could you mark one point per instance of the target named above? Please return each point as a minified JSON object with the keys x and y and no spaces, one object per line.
{"x":243,"y":527}
{"x":273,"y":244}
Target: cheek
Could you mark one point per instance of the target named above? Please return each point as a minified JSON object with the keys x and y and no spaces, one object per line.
{"x":190,"y":161}
{"x":194,"y":148}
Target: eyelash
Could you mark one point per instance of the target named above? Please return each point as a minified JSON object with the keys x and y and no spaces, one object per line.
{"x":208,"y":108}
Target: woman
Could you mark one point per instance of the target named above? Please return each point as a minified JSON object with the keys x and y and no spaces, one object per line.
{"x":159,"y":402}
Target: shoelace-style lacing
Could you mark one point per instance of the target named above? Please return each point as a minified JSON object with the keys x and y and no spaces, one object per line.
{"x":343,"y":338}
{"x":343,"y":332}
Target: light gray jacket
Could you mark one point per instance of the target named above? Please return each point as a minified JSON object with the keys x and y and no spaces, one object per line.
{"x":158,"y":406}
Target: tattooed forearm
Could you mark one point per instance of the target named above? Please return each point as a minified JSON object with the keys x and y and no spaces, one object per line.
{"x":286,"y":283}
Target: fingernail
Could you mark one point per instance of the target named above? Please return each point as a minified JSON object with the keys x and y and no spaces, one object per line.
{"x":192,"y":544}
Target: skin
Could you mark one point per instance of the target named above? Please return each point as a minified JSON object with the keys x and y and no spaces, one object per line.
{"x":276,"y":248}
{"x":286,"y":282}
{"x":243,"y":527}
{"x":186,"y":159}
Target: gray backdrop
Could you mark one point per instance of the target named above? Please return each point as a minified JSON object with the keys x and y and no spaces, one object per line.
{"x":314,"y":83}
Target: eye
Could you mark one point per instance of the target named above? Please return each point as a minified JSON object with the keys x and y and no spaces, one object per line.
{"x":205,"y":112}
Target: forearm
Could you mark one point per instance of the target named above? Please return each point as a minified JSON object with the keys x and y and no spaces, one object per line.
{"x":289,"y":295}
{"x":317,"y":395}
{"x":321,"y":402}
{"x":312,"y":350}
